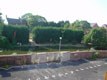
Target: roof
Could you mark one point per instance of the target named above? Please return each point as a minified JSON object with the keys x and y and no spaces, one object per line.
{"x":93,"y":24}
{"x":105,"y":25}
{"x":16,"y":21}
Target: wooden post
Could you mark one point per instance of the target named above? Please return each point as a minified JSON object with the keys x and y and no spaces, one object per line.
{"x":105,"y":77}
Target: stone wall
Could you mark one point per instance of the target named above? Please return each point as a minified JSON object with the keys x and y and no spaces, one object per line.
{"x":65,"y":56}
{"x":48,"y":57}
{"x":45,"y":57}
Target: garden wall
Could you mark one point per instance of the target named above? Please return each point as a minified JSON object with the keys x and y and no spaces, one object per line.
{"x":48,"y":57}
{"x":15,"y":59}
{"x":103,"y":53}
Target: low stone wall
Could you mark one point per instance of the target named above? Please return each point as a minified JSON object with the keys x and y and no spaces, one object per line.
{"x":65,"y":56}
{"x":48,"y":57}
{"x":15,"y":59}
{"x":45,"y":57}
{"x":81,"y":55}
{"x":102,"y":53}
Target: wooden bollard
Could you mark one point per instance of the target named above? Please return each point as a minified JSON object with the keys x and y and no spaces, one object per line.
{"x":105,"y":77}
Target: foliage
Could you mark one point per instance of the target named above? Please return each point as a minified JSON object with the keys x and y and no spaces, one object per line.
{"x":1,"y":27}
{"x":52,"y":23}
{"x":46,"y":34}
{"x":4,"y":43}
{"x":1,"y":20}
{"x":34,"y":20}
{"x":95,"y":55}
{"x":72,"y":36}
{"x":81,"y":24}
{"x":97,"y":38}
{"x":51,"y":35}
{"x":16,"y":33}
{"x":67,"y":24}
{"x":37,"y":20}
{"x":26,"y":16}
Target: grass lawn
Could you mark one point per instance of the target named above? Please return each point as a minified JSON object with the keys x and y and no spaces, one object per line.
{"x":9,"y":52}
{"x":27,"y":50}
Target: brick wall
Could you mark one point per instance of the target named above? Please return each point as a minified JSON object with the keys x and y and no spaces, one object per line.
{"x":15,"y":59}
{"x":87,"y":54}
{"x":48,"y":57}
{"x":102,"y":53}
{"x":81,"y":55}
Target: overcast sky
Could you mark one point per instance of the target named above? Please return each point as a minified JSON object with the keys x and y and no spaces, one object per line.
{"x":56,"y":10}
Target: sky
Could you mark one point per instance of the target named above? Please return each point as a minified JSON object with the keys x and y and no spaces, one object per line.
{"x":94,"y":11}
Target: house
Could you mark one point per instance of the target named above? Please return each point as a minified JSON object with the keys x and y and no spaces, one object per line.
{"x":105,"y":26}
{"x":95,"y":25}
{"x":16,"y":21}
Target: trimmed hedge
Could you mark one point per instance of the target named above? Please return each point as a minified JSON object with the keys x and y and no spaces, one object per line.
{"x":4,"y":43}
{"x":51,"y":35}
{"x":16,"y":33}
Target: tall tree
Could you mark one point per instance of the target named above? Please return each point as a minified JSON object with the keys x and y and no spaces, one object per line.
{"x":76,"y":23}
{"x":60,"y":24}
{"x":66,"y":24}
{"x":34,"y":20}
{"x":1,"y":20}
{"x":26,"y":16}
{"x":52,"y":24}
{"x":84,"y":25}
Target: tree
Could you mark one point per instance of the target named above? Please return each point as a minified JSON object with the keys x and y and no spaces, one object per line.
{"x":1,"y":20}
{"x":66,"y":24}
{"x":85,"y":25}
{"x":60,"y":24}
{"x":81,"y":24}
{"x":76,"y":23}
{"x":26,"y":16}
{"x":52,"y":24}
{"x":34,"y":20}
{"x":97,"y":38}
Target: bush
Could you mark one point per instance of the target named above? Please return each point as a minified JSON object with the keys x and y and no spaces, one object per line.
{"x":51,"y":35}
{"x":97,"y":38}
{"x":16,"y":33}
{"x":95,"y":55}
{"x":4,"y":43}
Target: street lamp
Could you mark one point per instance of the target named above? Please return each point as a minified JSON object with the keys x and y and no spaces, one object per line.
{"x":60,"y":43}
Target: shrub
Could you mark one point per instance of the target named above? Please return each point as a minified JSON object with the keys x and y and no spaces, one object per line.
{"x":16,"y":33}
{"x":51,"y":35}
{"x":4,"y":43}
{"x":95,"y":55}
{"x":97,"y":38}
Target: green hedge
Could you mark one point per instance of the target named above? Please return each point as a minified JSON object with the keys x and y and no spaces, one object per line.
{"x":96,"y":38}
{"x":51,"y":35}
{"x":4,"y":43}
{"x":16,"y":33}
